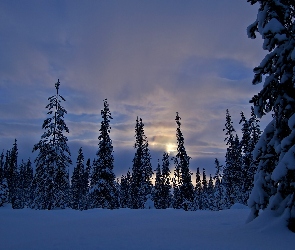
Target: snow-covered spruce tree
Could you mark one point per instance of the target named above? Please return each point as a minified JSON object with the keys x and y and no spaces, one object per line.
{"x":3,"y":192}
{"x":237,"y":172}
{"x":204,"y":195}
{"x":11,"y":171}
{"x":3,"y":182}
{"x":176,"y":182}
{"x":78,"y":189}
{"x":161,"y":192}
{"x":181,"y":161}
{"x":161,"y":196}
{"x":51,"y":184}
{"x":218,"y":187}
{"x":125,"y":191}
{"x":210,"y":193}
{"x":18,"y":200}
{"x":274,"y":184}
{"x":157,"y":190}
{"x":2,"y":166}
{"x":250,"y":135}
{"x":166,"y":194}
{"x":266,"y":158}
{"x":247,"y":158}
{"x":28,"y":175}
{"x":227,"y":176}
{"x":23,"y":185}
{"x":254,"y":128}
{"x":142,"y":172}
{"x":103,"y":192}
{"x":86,"y":181}
{"x":198,"y":192}
{"x":232,"y":172}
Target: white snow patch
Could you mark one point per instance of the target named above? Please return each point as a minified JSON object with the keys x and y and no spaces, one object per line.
{"x":287,"y":162}
{"x":140,"y":229}
{"x":273,"y":26}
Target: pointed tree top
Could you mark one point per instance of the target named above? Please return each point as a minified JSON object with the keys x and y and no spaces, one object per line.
{"x":177,"y":119}
{"x":57,"y":85}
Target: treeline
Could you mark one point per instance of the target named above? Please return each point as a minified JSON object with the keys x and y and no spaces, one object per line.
{"x":94,"y":184}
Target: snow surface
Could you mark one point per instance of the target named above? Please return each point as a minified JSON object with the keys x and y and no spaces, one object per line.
{"x":140,"y":229}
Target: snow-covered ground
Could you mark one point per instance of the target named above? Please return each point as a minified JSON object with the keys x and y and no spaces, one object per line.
{"x":140,"y":229}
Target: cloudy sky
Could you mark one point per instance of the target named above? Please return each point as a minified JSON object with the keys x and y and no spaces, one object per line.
{"x":149,"y":58}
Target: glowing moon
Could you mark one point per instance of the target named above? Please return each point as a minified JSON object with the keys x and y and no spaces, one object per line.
{"x":170,"y":148}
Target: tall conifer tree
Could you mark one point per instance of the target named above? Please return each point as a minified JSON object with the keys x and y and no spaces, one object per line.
{"x":250,"y":135}
{"x":185,"y":187}
{"x":157,"y":190}
{"x":198,"y":192}
{"x":51,"y":183}
{"x":142,"y":171}
{"x":23,"y":185}
{"x":86,"y":185}
{"x":78,"y":194}
{"x":103,"y":192}
{"x":210,"y":193}
{"x":166,"y":194}
{"x":125,"y":191}
{"x":218,"y":188}
{"x":205,"y":201}
{"x":11,"y":171}
{"x":232,"y":172}
{"x":3,"y":182}
{"x":274,"y":186}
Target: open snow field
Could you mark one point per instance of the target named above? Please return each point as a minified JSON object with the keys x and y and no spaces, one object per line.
{"x":139,"y":229}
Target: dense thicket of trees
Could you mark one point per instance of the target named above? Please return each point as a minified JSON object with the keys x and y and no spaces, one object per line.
{"x":94,"y":185}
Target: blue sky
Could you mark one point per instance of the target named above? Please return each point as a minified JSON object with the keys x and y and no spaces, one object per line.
{"x":148,"y":58}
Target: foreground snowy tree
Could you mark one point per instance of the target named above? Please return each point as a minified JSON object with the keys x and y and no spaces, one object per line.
{"x":103,"y":192}
{"x":51,"y":183}
{"x":274,"y":186}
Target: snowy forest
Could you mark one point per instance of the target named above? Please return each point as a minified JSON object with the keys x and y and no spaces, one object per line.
{"x":259,"y":169}
{"x":94,"y":185}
